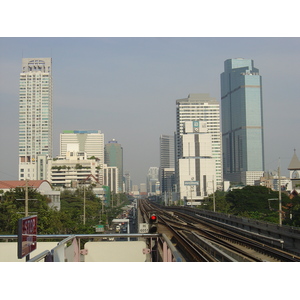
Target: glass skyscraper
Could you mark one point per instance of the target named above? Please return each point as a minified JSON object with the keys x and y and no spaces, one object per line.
{"x":35,"y":117}
{"x":242,"y":121}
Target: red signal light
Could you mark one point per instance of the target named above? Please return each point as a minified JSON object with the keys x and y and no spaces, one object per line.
{"x":153,"y":223}
{"x":153,"y":218}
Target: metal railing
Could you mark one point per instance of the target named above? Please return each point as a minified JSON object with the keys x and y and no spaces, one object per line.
{"x":60,"y":253}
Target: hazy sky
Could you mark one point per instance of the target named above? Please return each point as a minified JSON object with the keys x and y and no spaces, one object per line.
{"x":127,"y":88}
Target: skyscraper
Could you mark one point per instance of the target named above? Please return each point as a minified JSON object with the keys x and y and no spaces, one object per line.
{"x":200,"y":107}
{"x":152,"y":181}
{"x":197,"y":167}
{"x":242,"y":121}
{"x":35,"y":116}
{"x":113,"y":157}
{"x":167,"y":163}
{"x":167,"y":151}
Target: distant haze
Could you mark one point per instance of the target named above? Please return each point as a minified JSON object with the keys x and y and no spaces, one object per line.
{"x":128,"y":87}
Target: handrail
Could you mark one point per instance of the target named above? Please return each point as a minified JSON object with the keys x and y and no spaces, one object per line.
{"x":53,"y":254}
{"x":174,"y":251}
{"x":98,"y":235}
{"x":40,"y":256}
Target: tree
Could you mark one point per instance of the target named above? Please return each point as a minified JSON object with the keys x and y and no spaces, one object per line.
{"x":221,"y":204}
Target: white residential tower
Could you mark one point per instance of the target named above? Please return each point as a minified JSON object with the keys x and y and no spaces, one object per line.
{"x":35,"y":117}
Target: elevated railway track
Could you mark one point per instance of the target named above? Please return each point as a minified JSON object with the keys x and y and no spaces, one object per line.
{"x":201,"y":241}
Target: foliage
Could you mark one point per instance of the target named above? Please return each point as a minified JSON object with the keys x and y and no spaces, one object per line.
{"x":220,"y":203}
{"x":68,"y":220}
{"x":250,"y":198}
{"x":254,"y":202}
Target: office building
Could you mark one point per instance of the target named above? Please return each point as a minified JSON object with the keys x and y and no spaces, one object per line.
{"x":35,"y":116}
{"x":89,"y":141}
{"x":242,"y":121}
{"x":143,"y":190}
{"x":73,"y":169}
{"x":203,"y":108}
{"x":197,"y":167}
{"x":111,"y":178}
{"x":167,"y":164}
{"x":167,"y":154}
{"x":127,"y":182}
{"x":153,"y":181}
{"x":113,"y":157}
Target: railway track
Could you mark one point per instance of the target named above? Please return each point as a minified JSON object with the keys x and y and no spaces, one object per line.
{"x":201,"y":241}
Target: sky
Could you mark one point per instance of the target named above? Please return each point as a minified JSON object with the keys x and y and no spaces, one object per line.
{"x":127,"y":87}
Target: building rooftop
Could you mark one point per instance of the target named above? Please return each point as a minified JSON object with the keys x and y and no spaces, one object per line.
{"x":295,"y":163}
{"x":12,"y":184}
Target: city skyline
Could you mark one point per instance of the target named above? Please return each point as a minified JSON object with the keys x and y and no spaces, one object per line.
{"x":128,"y":87}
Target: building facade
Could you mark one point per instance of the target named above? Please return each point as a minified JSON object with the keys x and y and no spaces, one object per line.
{"x":203,"y":108}
{"x":294,"y":169}
{"x":242,"y":121}
{"x":127,"y":182}
{"x":35,"y":116}
{"x":73,"y":169}
{"x":197,"y":166}
{"x":89,"y":141}
{"x":111,"y":178}
{"x":153,"y":181}
{"x":167,"y":166}
{"x":113,"y":157}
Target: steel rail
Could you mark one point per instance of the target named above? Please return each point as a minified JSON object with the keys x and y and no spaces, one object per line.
{"x":235,"y":238}
{"x":258,"y":246}
{"x":206,"y":234}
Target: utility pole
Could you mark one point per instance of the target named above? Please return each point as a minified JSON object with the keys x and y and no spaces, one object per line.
{"x":26,"y":198}
{"x":279,"y":196}
{"x":26,"y":213}
{"x":84,"y":204}
{"x":214,"y":199}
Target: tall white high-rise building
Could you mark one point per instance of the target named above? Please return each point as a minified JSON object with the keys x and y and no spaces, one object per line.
{"x":197,"y":169}
{"x":200,"y":107}
{"x":35,"y":116}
